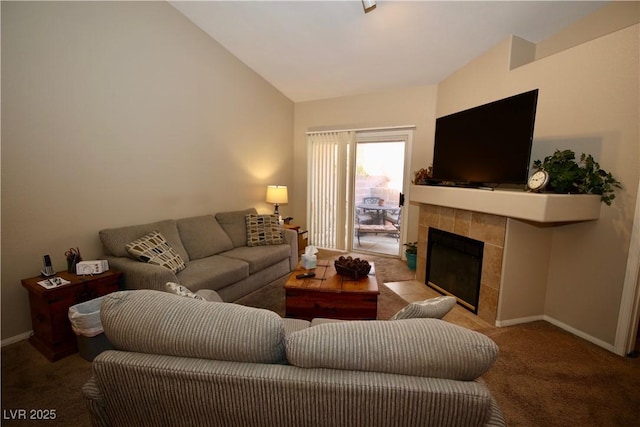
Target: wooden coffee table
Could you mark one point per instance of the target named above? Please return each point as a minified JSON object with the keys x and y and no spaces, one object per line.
{"x":330,"y":295}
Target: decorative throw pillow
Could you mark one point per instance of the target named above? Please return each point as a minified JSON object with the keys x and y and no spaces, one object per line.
{"x":177,"y":289}
{"x":263,"y":230}
{"x":434,"y":308}
{"x":154,"y":249}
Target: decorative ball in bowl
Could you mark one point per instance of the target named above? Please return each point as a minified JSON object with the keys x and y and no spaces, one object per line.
{"x":354,"y":268}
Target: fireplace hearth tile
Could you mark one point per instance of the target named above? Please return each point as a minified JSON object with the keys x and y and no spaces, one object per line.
{"x":491,"y":266}
{"x":429,"y":215}
{"x":488,"y":304}
{"x":488,"y":228}
{"x":462,"y":223}
{"x":447,"y":220}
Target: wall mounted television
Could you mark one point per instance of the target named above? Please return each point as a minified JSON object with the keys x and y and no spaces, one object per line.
{"x":486,"y":145}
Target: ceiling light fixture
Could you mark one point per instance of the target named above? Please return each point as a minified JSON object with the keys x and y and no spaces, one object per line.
{"x":368,"y":5}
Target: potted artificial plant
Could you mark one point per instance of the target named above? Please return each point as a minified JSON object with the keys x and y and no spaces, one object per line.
{"x":422,"y":176}
{"x":568,"y":176}
{"x":411,"y":251}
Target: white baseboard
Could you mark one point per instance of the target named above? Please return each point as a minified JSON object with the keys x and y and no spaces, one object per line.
{"x":582,"y":335}
{"x":16,"y":339}
{"x":564,"y":326}
{"x":519,"y":321}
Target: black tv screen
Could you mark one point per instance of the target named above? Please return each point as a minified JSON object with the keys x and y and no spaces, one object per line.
{"x":486,"y":145}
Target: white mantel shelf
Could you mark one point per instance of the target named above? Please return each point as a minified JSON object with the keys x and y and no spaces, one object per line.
{"x":535,"y":207}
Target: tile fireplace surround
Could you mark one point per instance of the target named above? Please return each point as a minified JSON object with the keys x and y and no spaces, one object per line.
{"x":515,"y":227}
{"x":486,"y":228}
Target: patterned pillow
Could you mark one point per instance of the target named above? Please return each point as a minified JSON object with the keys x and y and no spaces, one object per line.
{"x":154,"y":249}
{"x":263,"y":230}
{"x":177,"y":289}
{"x":434,"y":308}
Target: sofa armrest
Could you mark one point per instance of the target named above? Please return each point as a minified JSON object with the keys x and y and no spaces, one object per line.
{"x":95,"y":403}
{"x":140,"y":275}
{"x":291,"y":239}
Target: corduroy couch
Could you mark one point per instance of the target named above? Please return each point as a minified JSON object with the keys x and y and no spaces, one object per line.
{"x":185,"y":362}
{"x":214,"y":250}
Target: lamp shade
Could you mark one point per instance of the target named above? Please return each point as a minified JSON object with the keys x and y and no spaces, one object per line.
{"x":277,"y":194}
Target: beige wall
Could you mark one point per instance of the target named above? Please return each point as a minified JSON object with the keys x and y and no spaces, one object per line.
{"x":589,"y":102}
{"x":409,"y":106}
{"x":610,"y":18}
{"x":117,"y":113}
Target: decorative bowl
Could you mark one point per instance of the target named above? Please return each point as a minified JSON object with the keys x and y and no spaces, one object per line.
{"x":354,"y":268}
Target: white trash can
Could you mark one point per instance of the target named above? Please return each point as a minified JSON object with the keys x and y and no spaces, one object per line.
{"x":85,"y":322}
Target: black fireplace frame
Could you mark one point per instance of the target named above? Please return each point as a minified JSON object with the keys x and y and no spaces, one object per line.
{"x":471,"y":247}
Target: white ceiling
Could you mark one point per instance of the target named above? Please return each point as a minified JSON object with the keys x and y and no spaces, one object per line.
{"x":322,"y":49}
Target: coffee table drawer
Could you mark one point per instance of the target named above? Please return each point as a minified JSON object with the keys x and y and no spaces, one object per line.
{"x":305,"y":304}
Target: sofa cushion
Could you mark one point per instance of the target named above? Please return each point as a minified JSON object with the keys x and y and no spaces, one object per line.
{"x":435,"y":308}
{"x":420,"y":347}
{"x":322,"y":320}
{"x":293,"y":325}
{"x":263,"y":230}
{"x":235,"y":225}
{"x":174,"y":288}
{"x":259,"y":257}
{"x":202,"y":236}
{"x":114,"y":240}
{"x":155,"y":322}
{"x":214,"y":272}
{"x":154,"y":249}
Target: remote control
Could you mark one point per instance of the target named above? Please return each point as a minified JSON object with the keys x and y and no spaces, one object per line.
{"x":305,"y":275}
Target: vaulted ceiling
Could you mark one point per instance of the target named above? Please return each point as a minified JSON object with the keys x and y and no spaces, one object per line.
{"x":322,"y":49}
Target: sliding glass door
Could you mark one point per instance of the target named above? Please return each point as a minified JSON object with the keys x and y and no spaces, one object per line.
{"x":355,"y":184}
{"x":377,"y":204}
{"x":379,"y":181}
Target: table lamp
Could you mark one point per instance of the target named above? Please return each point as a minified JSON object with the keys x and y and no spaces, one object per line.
{"x":277,"y":194}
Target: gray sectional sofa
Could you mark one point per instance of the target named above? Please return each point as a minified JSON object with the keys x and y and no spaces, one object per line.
{"x":186,"y":362}
{"x":214,"y":250}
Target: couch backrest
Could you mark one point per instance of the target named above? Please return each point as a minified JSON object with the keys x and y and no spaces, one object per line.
{"x":114,"y":240}
{"x":234,"y":224}
{"x":417,"y":347}
{"x":202,"y":236}
{"x":155,"y":322}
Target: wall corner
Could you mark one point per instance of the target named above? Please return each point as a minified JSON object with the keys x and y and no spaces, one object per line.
{"x":521,"y":52}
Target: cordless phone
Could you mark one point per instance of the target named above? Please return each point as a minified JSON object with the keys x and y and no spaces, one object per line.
{"x":48,"y":268}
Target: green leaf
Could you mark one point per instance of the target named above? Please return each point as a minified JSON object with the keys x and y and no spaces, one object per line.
{"x":582,"y":177}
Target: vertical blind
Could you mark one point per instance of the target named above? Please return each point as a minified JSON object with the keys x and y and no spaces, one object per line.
{"x":328,"y":186}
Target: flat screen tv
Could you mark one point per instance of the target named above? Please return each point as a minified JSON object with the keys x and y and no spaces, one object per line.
{"x":486,"y":145}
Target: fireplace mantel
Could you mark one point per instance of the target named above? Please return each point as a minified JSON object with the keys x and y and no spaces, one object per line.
{"x":534,"y":207}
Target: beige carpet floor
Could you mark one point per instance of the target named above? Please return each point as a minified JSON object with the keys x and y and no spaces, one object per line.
{"x":544,"y":376}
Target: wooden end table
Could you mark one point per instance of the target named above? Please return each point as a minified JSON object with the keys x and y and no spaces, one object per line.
{"x":330,"y":295}
{"x":52,"y":333}
{"x":302,"y":237}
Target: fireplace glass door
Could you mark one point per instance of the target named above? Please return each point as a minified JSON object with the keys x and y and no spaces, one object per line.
{"x":454,"y":266}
